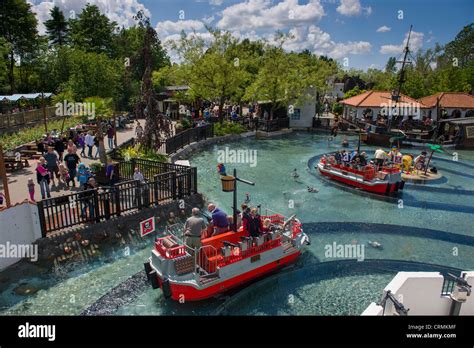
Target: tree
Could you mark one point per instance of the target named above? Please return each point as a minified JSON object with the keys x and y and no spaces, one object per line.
{"x":214,"y":71}
{"x":93,"y":74}
{"x":353,"y":92}
{"x":157,"y":124}
{"x":391,"y":66}
{"x":57,"y":27}
{"x":92,"y":31}
{"x":460,"y":51}
{"x":3,"y":65}
{"x":18,"y":27}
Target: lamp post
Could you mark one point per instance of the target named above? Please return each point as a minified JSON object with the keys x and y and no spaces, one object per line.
{"x":229,"y":184}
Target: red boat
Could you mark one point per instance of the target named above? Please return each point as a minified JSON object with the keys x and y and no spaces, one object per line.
{"x":386,"y":180}
{"x":223,"y":262}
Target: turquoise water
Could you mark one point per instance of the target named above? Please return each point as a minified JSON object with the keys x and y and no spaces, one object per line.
{"x":427,"y":224}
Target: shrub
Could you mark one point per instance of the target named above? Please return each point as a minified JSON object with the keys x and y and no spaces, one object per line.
{"x":138,"y":152}
{"x":26,"y":135}
{"x":227,"y":127}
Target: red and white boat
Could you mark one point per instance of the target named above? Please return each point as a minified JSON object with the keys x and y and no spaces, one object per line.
{"x":386,"y":180}
{"x":225,"y":261}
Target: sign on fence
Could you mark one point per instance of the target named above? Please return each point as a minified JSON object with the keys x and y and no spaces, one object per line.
{"x":147,"y":226}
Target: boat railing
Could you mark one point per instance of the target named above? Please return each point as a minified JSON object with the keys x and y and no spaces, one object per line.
{"x":172,"y":245}
{"x":206,"y":259}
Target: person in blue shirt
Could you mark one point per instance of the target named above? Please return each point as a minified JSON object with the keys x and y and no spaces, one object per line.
{"x":110,"y":172}
{"x":220,"y":221}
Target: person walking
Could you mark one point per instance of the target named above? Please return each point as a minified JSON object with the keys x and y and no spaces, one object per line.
{"x":71,"y":160}
{"x":82,"y":144}
{"x":110,"y":137}
{"x":31,"y":189}
{"x":89,"y":142}
{"x":43,"y":178}
{"x":52,"y":160}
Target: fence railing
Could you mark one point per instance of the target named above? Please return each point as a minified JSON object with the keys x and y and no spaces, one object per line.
{"x":275,"y":124}
{"x":165,"y":183}
{"x":26,"y":117}
{"x":187,"y":137}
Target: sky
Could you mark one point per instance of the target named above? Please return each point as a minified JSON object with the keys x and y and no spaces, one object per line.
{"x":359,"y":34}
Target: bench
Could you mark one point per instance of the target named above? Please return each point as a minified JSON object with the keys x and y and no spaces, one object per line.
{"x":11,"y":164}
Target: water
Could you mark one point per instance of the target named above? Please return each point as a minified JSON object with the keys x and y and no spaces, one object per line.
{"x":427,"y":224}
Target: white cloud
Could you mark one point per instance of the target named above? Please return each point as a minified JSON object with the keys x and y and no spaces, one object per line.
{"x":383,"y":29}
{"x":258,"y":14}
{"x":208,"y":20}
{"x":216,"y":2}
{"x":320,"y":43}
{"x":416,"y":43}
{"x":352,"y":8}
{"x":168,"y":28}
{"x":120,"y":11}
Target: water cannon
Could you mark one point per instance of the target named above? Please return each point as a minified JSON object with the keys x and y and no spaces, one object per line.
{"x":461,"y":290}
{"x":399,"y":307}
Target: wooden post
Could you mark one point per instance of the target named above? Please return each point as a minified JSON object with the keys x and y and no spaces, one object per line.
{"x":44,"y":113}
{"x":3,"y":174}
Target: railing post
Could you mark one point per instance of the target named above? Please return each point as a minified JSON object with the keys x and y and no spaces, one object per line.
{"x":96,"y":206}
{"x":173,"y":185}
{"x":194,"y":178}
{"x":116,"y":193}
{"x":42,"y":219}
{"x":138,"y":194}
{"x":155,"y":190}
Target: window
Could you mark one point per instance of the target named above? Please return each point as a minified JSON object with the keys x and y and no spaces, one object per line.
{"x":296,"y":114}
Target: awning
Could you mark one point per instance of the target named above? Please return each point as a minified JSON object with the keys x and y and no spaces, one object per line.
{"x":30,"y":96}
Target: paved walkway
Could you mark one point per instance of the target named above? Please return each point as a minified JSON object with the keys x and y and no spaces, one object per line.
{"x":17,"y":181}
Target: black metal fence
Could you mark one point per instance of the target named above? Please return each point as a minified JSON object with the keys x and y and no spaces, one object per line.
{"x":165,"y":183}
{"x":187,"y":137}
{"x":275,"y":124}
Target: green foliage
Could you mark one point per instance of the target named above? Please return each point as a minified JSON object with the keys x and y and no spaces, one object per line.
{"x":92,"y":31}
{"x":353,"y":92}
{"x":138,"y":151}
{"x":27,"y":135}
{"x":18,"y":27}
{"x":337,"y":108}
{"x":96,"y":167}
{"x":57,"y":27}
{"x":226,"y":127}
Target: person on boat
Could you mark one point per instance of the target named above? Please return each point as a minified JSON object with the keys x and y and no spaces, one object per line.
{"x":395,"y":155}
{"x":245,"y":217}
{"x":221,"y":169}
{"x":193,"y":229}
{"x":420,"y":161}
{"x":380,"y":157}
{"x":220,"y":222}
{"x":345,"y":157}
{"x":363,"y":158}
{"x":255,"y":225}
{"x":338,"y":157}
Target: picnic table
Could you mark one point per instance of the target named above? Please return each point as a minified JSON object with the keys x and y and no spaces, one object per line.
{"x":13,"y":164}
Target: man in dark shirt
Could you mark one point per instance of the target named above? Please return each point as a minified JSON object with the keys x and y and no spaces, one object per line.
{"x":87,"y":198}
{"x":59,"y":147}
{"x":220,"y":221}
{"x":52,"y":163}
{"x":71,"y":160}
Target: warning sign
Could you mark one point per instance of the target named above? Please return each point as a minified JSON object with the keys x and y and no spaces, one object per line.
{"x":147,"y":226}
